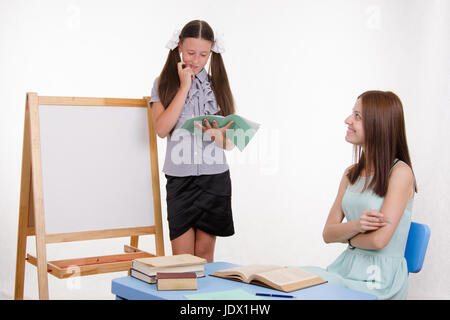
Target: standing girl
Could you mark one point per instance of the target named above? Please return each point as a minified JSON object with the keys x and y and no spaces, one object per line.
{"x":376,"y":197}
{"x":198,"y":177}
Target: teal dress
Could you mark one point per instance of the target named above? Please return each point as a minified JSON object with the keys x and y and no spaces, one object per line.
{"x":384,"y":272}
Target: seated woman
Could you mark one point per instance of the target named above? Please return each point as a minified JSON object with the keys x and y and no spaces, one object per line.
{"x":375,"y":196}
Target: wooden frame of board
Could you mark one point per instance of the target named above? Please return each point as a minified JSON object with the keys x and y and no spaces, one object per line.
{"x":31,"y":209}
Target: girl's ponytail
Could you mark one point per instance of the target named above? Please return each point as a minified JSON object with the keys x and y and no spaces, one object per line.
{"x":220,"y":85}
{"x":169,"y":82}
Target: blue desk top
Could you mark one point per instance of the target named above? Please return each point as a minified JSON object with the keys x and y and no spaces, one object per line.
{"x":134,"y":289}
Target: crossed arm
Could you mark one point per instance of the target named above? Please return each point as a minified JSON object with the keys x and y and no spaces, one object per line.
{"x":370,"y":232}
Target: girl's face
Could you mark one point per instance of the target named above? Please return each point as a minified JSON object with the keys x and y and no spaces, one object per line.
{"x":355,"y":129}
{"x":195,"y":53}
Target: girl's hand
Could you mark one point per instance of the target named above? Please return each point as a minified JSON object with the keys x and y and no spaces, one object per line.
{"x":186,"y":75}
{"x":217,"y":134}
{"x":370,"y":221}
{"x":215,"y":131}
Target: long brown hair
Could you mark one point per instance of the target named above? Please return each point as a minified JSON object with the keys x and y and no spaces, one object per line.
{"x":169,"y":81}
{"x":384,"y":141}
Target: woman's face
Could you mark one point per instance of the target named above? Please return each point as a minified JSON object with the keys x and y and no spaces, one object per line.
{"x":195,"y":53}
{"x":355,"y":129}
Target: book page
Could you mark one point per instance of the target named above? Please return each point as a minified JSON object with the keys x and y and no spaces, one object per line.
{"x":172,"y":261}
{"x":247,"y":271}
{"x":286,"y":275}
{"x":197,"y":268}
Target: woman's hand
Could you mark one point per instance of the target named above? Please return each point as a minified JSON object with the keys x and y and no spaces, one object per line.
{"x":186,"y":75}
{"x":370,"y":221}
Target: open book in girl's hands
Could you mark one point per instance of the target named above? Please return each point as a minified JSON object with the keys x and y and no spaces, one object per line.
{"x":285,"y":279}
{"x":240,"y":132}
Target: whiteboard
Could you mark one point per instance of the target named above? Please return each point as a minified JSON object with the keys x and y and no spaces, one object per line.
{"x":96,"y":171}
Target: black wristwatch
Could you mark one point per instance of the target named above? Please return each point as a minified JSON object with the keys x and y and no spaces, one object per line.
{"x":350,"y":245}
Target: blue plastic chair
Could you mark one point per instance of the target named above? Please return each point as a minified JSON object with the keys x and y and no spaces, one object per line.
{"x":416,"y":246}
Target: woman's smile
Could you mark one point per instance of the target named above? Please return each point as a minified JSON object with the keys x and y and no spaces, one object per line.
{"x":350,"y":130}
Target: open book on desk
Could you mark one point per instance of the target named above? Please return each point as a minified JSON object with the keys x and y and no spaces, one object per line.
{"x":240,"y":132}
{"x":285,"y":279}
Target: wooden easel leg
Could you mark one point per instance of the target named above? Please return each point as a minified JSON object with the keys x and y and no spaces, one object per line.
{"x":23,"y":207}
{"x":20,"y":261}
{"x":37,"y":196}
{"x":42,"y":268}
{"x":159,"y":241}
{"x":134,"y":243}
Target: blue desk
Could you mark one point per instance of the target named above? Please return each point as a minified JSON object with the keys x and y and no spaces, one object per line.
{"x":133,"y":289}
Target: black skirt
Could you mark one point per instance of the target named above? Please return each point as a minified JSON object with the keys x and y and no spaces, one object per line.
{"x":200,"y":202}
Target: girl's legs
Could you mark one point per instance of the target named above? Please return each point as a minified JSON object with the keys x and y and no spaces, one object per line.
{"x":204,"y":245}
{"x":195,"y":242}
{"x":184,"y":243}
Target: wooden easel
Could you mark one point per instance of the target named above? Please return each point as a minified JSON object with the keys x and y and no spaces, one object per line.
{"x":31,"y":210}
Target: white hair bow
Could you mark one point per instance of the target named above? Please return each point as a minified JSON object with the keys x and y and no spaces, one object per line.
{"x":218,"y":46}
{"x":173,"y":42}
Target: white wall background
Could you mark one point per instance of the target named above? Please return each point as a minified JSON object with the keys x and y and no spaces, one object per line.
{"x":296,"y":67}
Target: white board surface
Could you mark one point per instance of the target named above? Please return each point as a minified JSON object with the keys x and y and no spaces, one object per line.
{"x":96,"y":171}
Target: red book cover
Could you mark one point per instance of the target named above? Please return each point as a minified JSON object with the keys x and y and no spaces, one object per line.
{"x":175,"y":275}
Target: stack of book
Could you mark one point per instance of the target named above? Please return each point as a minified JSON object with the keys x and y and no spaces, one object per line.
{"x":145,"y":269}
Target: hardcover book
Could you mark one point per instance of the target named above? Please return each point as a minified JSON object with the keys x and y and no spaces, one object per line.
{"x":176,"y":281}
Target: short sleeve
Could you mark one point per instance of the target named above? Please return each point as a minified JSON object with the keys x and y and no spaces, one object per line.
{"x":154,"y":96}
